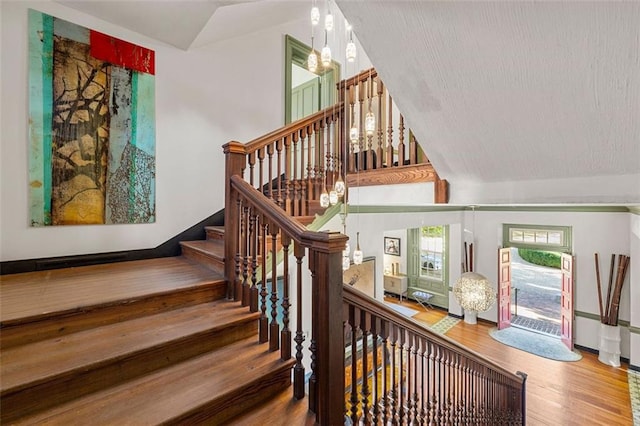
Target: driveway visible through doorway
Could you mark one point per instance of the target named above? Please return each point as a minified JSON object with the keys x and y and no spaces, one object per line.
{"x":538,"y":296}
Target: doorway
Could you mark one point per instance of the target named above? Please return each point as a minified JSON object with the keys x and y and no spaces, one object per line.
{"x":306,"y":92}
{"x":536,"y":281}
{"x":535,"y":274}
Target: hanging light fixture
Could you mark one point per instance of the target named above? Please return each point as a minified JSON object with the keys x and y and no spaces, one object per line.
{"x":339,"y":186}
{"x":357,"y":253}
{"x":324,"y":197}
{"x":370,"y":119}
{"x":328,"y":21}
{"x":325,"y":54}
{"x":312,"y":60}
{"x":315,"y":14}
{"x":350,"y":51}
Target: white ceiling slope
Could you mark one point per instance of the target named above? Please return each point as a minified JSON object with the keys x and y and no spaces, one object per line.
{"x":192,"y":23}
{"x":503,"y":91}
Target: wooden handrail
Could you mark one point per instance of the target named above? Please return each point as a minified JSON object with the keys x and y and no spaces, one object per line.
{"x":290,"y":128}
{"x":358,"y":299}
{"x":403,"y":373}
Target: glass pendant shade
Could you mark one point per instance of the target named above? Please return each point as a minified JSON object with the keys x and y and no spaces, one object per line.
{"x":324,"y":199}
{"x":354,"y":135}
{"x":328,"y":22}
{"x":346,"y":263}
{"x":369,"y":123}
{"x":340,"y":187}
{"x":347,"y":250}
{"x":325,"y":56}
{"x":351,"y":52}
{"x":315,"y":15}
{"x":312,"y":62}
{"x":333,"y":197}
{"x":357,"y":253}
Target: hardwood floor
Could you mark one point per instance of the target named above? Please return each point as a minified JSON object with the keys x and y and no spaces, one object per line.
{"x":585,"y":392}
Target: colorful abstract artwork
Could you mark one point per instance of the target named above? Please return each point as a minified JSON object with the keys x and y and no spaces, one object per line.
{"x":91,"y":126}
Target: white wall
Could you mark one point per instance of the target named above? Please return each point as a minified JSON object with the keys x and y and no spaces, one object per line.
{"x":232,"y":90}
{"x":634,"y":284}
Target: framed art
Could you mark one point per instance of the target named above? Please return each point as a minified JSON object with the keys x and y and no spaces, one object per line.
{"x":392,"y":246}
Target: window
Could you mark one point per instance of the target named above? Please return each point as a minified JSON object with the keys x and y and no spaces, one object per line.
{"x":556,"y":238}
{"x":432,"y":252}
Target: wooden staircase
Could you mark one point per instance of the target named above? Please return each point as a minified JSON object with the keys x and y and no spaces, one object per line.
{"x":145,"y":342}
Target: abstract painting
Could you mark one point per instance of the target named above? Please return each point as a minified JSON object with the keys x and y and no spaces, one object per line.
{"x":91,"y":126}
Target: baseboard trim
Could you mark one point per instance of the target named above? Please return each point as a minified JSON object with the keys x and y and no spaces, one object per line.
{"x":169,"y":248}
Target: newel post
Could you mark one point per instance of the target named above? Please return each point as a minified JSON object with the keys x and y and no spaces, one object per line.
{"x":235,"y":162}
{"x":327,"y":317}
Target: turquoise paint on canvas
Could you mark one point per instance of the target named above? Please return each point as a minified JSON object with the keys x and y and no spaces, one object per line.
{"x":41,"y":105}
{"x":129,"y":193}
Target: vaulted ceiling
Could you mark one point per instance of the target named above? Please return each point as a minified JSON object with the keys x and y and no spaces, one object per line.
{"x":494,"y":91}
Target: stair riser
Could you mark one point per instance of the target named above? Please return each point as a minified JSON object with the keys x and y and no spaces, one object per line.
{"x":215,"y":234}
{"x":240,"y":400}
{"x":208,"y":261}
{"x":63,"y":323}
{"x":73,"y":384}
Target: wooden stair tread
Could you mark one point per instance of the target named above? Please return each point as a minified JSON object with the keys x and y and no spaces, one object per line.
{"x":213,"y":248}
{"x":33,"y":295}
{"x":64,"y":357}
{"x":281,"y":410}
{"x":176,"y":392}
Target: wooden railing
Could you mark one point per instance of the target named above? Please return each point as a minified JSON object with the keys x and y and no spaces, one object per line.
{"x":256,"y":277}
{"x":402,"y":373}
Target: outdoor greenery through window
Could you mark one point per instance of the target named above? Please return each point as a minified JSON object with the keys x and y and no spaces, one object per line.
{"x":432,"y":252}
{"x":536,"y":237}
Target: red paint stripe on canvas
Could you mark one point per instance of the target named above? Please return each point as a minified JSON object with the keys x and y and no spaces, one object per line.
{"x":122,"y":53}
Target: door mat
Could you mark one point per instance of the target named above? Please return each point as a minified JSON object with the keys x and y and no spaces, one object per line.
{"x":535,"y":343}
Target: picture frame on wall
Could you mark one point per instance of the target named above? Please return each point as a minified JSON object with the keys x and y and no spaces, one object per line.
{"x":392,"y":246}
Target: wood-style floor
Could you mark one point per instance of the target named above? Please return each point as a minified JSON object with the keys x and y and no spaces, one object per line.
{"x":585,"y":392}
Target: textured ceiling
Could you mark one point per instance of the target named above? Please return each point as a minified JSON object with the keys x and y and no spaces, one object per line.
{"x":500,"y":91}
{"x":494,"y":91}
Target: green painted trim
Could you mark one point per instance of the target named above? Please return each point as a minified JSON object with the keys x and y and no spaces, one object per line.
{"x":596,"y":317}
{"x":328,"y":214}
{"x":634,"y":330}
{"x":401,"y":209}
{"x":450,"y":208}
{"x":297,"y":52}
{"x":565,"y":248}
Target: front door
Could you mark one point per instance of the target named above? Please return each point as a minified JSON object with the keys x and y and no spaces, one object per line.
{"x":504,"y":288}
{"x":566,"y":301}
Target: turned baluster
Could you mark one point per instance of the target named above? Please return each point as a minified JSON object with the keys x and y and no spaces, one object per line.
{"x":401,"y":379}
{"x":313,"y":382}
{"x":264,"y":320}
{"x":361,"y":136}
{"x":312,"y":134}
{"x":375,"y":403}
{"x":237,"y":283}
{"x":413,"y":149}
{"x":244,"y":242}
{"x":369,"y":135}
{"x":254,"y":228}
{"x":380,"y":151}
{"x":401,"y":141}
{"x":260,"y":170}
{"x":393,"y":336}
{"x":390,"y":153}
{"x":285,"y":334}
{"x":352,"y":146}
{"x":252,"y":162}
{"x":384,"y":400}
{"x":288,"y":173}
{"x":365,"y":366}
{"x":279,"y":197}
{"x":298,"y":369}
{"x":354,"y":365}
{"x":270,"y":181}
{"x":294,"y":176}
{"x":274,"y":327}
{"x":318,"y":167}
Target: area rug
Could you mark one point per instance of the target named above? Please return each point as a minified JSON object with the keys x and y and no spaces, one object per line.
{"x":444,"y":325}
{"x":535,"y":343}
{"x":408,"y":312}
{"x":634,"y":393}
